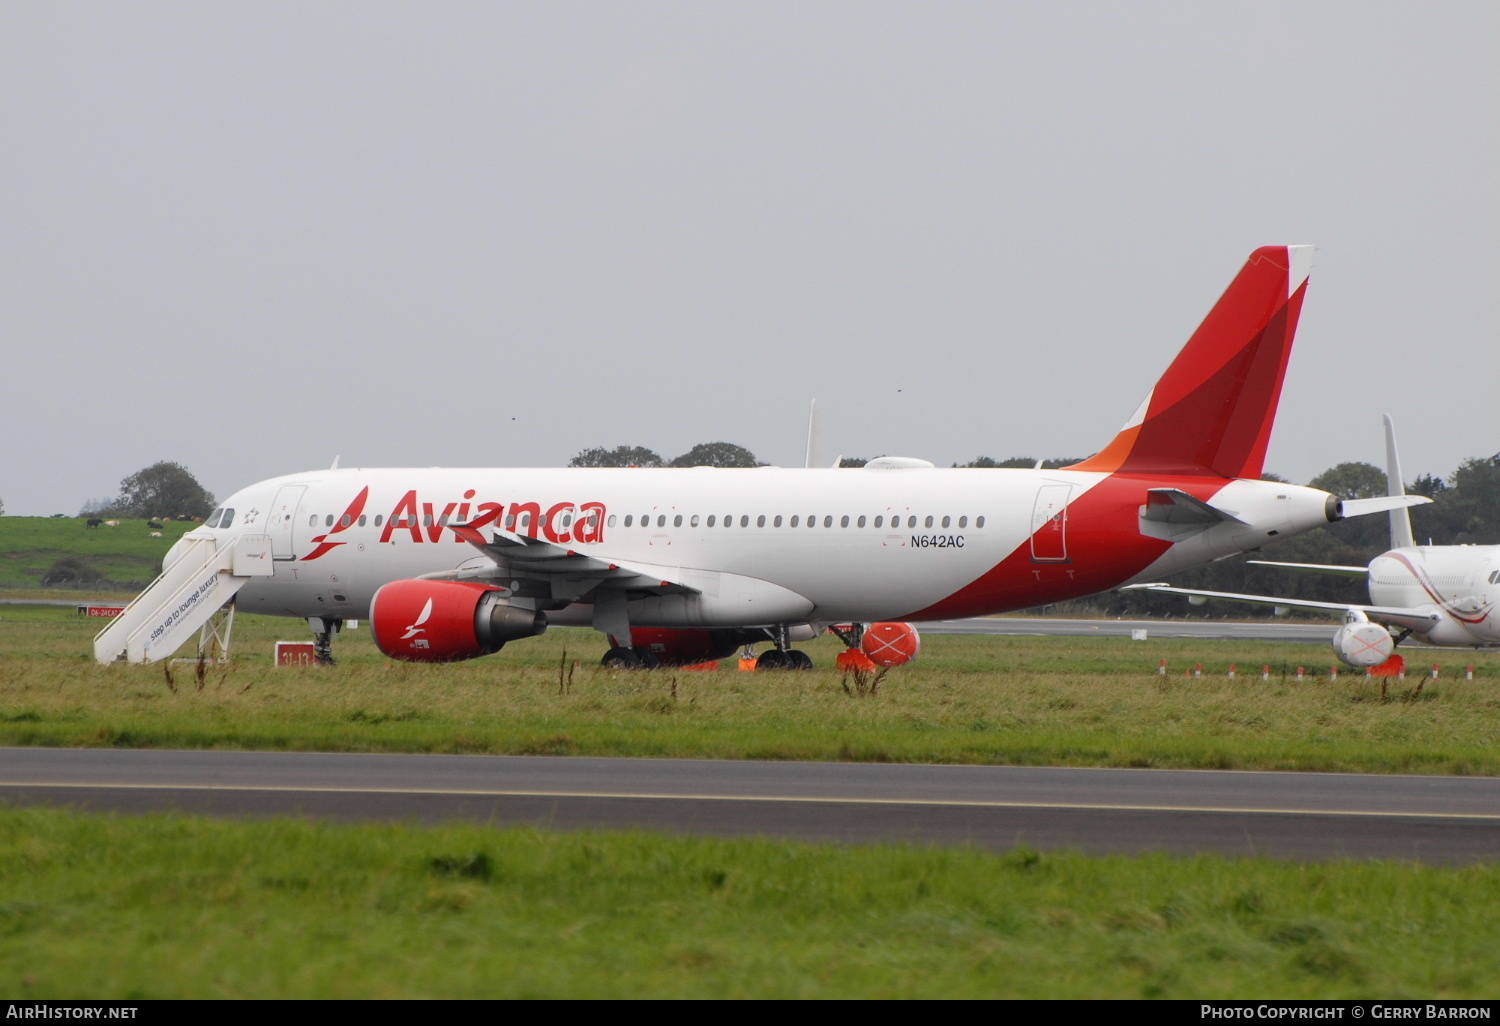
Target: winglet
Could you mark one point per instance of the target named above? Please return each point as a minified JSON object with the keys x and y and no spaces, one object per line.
{"x":1211,"y":412}
{"x":1401,"y":536}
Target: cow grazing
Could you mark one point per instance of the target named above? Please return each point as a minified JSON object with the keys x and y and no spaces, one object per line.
{"x":153,"y":525}
{"x":94,"y":522}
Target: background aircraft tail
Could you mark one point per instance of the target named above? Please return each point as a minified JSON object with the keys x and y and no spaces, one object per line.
{"x":1211,"y":412}
{"x":1401,"y":537}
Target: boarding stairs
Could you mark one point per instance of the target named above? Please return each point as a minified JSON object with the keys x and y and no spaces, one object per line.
{"x":184,"y":598}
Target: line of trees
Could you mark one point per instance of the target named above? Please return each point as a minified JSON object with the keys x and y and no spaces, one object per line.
{"x":704,"y":454}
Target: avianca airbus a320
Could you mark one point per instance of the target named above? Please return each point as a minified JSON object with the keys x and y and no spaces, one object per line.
{"x":681,"y":566}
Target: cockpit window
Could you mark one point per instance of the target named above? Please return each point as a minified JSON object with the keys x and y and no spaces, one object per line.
{"x":227,"y":518}
{"x":213,"y":518}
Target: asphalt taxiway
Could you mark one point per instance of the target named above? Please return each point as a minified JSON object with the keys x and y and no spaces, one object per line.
{"x":1294,"y":815}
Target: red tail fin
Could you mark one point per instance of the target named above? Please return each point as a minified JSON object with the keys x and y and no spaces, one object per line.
{"x":1211,"y":413}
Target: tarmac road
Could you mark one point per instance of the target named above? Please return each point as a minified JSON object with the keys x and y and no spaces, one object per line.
{"x":1222,"y":630}
{"x":1295,"y":815}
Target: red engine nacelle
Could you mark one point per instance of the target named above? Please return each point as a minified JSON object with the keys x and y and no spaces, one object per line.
{"x":444,"y":621}
{"x":891,"y":644}
{"x":685,"y":646}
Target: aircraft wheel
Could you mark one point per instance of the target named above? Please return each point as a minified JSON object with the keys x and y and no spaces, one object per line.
{"x":648,"y":659}
{"x":774,"y":659}
{"x":621,"y":659}
{"x":799,"y":660}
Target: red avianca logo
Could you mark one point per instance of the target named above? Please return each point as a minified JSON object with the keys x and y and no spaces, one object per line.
{"x":562,"y":522}
{"x":343,"y":523}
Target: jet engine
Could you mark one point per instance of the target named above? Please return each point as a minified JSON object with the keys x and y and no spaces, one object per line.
{"x":444,"y":621}
{"x":891,"y":644}
{"x":1362,"y":643}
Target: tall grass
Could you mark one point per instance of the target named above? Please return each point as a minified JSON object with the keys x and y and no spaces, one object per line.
{"x":1017,"y":700}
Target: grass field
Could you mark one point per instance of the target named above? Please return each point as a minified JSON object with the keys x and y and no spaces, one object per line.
{"x":180,"y":907}
{"x":127,"y":556}
{"x":1011,"y":700}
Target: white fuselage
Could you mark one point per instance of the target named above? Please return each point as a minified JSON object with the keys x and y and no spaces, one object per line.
{"x":795,"y":545}
{"x":1459,"y":582}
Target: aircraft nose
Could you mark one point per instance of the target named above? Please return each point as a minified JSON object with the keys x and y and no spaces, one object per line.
{"x":172,"y":554}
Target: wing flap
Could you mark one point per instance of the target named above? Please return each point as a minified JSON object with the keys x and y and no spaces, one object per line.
{"x":521,"y":556}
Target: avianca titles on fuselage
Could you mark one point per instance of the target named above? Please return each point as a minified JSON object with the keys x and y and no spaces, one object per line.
{"x":428,"y":554}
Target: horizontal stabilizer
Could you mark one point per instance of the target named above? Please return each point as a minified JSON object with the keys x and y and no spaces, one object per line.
{"x":1379,"y":504}
{"x":1174,"y":506}
{"x":1417,"y":620}
{"x":1317,"y":568}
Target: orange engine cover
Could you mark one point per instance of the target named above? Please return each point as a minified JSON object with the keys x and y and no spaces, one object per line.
{"x":891,"y":644}
{"x":675,"y":646}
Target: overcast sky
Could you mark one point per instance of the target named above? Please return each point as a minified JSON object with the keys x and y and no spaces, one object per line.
{"x":249,"y":237}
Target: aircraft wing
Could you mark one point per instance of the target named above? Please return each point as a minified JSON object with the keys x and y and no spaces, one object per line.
{"x":539,"y":565}
{"x":1317,"y":568}
{"x":1414,"y":619}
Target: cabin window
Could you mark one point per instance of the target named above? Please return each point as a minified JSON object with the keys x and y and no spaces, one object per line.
{"x":346,"y":520}
{"x":661,"y":520}
{"x":963,"y":521}
{"x":777,"y":521}
{"x":228,"y":518}
{"x":794,"y":521}
{"x":860,"y":522}
{"x":978,"y":522}
{"x":611,"y":521}
{"x":629,"y":519}
{"x":312,"y":521}
{"x":712,"y":520}
{"x":694,"y":521}
{"x":728,"y":520}
{"x":677,"y":520}
{"x":812,"y":521}
{"x":745,"y":520}
{"x":879,"y":520}
{"x":361,"y":520}
{"x":844,"y":521}
{"x":567,"y":520}
{"x":929,"y":521}
{"x":427,"y":520}
{"x":760,"y":521}
{"x":947,"y":521}
{"x":378,"y":518}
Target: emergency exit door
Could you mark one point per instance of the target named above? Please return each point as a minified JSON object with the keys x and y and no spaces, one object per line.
{"x":1049,"y":524}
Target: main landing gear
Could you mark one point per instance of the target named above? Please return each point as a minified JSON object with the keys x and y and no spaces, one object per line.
{"x":783,"y":656}
{"x":621,"y":658}
{"x":784,"y":659}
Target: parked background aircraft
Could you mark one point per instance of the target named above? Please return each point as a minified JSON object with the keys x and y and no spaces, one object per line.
{"x":682,"y":565}
{"x":1443,"y":594}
